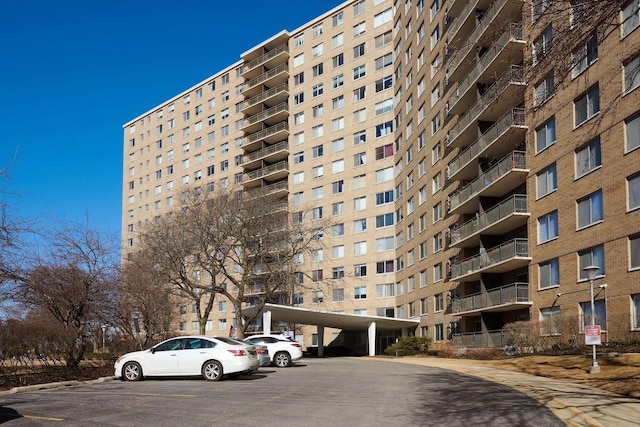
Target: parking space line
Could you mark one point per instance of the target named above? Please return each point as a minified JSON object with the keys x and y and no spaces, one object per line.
{"x":119,"y":393}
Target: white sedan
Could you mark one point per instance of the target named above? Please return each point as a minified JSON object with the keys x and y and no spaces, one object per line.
{"x":283,"y":350}
{"x":190,"y":355}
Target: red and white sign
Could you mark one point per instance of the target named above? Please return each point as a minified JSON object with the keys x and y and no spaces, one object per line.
{"x":592,"y":335}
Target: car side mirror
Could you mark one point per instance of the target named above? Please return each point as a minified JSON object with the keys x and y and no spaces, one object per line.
{"x":153,"y":350}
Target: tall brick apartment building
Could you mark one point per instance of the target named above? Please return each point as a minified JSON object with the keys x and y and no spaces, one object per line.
{"x":475,"y":156}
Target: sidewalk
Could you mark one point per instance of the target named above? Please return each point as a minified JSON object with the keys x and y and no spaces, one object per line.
{"x":575,"y":404}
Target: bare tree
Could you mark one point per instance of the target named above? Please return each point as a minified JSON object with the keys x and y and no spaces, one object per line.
{"x":74,"y":278}
{"x":242,"y":245}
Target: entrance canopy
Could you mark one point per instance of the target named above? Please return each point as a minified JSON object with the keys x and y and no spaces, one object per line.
{"x":330,"y":319}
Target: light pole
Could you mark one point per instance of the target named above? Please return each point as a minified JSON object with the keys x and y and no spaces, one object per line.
{"x":591,"y":273}
{"x":104,"y":330}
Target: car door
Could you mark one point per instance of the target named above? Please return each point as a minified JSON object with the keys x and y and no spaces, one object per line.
{"x":163,"y":358}
{"x":196,"y":351}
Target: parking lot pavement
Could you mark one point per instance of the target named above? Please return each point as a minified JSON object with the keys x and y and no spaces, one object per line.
{"x":575,"y":404}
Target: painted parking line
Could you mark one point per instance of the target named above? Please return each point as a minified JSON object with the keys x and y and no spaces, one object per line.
{"x":119,"y":393}
{"x":7,"y":416}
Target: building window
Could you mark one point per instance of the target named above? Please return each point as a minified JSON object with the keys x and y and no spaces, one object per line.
{"x":337,"y":208}
{"x":385,"y":290}
{"x":360,"y":248}
{"x":630,"y":17}
{"x":590,"y":210}
{"x":585,"y":55}
{"x":384,"y":220}
{"x":548,"y":227}
{"x":632,"y":74}
{"x":591,"y":256}
{"x":549,"y":274}
{"x":384,"y":83}
{"x":439,"y":332}
{"x":317,"y":297}
{"x":547,"y":181}
{"x":360,"y":292}
{"x":384,"y":267}
{"x":542,"y":45}
{"x":546,"y":134}
{"x":600,"y":314}
{"x":384,"y":61}
{"x":588,"y":158}
{"x":338,"y":294}
{"x":633,"y":189}
{"x":634,"y":252}
{"x":549,"y":320}
{"x":543,"y":90}
{"x":635,"y":312}
{"x":632,"y":132}
{"x":587,"y":105}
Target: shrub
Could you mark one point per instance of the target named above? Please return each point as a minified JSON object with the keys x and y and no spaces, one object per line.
{"x":409,"y":346}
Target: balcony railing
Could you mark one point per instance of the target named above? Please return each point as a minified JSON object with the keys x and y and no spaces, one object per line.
{"x":266,"y":76}
{"x":473,"y":38}
{"x":514,"y":32}
{"x":513,"y":293}
{"x":280,"y":166}
{"x":515,"y":160}
{"x":256,"y":155}
{"x":266,"y":132}
{"x":515,"y":117}
{"x":508,"y":250}
{"x":267,"y":56}
{"x":265,"y":95}
{"x":498,"y":338}
{"x":514,"y":74}
{"x":283,"y":106}
{"x":462,"y":17}
{"x":514,"y":204}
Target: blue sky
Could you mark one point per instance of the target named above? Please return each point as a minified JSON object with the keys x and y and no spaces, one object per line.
{"x":74,"y":71}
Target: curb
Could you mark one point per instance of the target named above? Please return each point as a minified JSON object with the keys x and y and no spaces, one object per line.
{"x":46,"y":386}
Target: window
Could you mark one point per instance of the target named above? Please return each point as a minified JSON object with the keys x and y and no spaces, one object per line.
{"x":384,"y":220}
{"x":588,"y":158}
{"x":337,"y":124}
{"x":337,"y":252}
{"x":633,"y":189}
{"x":385,"y":290}
{"x":360,"y":203}
{"x":337,"y":19}
{"x":384,"y":197}
{"x":298,"y":98}
{"x":317,"y":132}
{"x":360,"y":248}
{"x":359,"y":72}
{"x":385,"y":244}
{"x":543,"y":90}
{"x":383,"y":39}
{"x":298,"y":118}
{"x":587,"y":105}
{"x":384,"y":175}
{"x":317,"y":50}
{"x":585,"y":55}
{"x":358,"y":8}
{"x":632,"y":132}
{"x":317,"y":70}
{"x":548,"y":227}
{"x":317,"y":90}
{"x":600,"y":314}
{"x":591,"y":256}
{"x":590,"y":210}
{"x":360,"y":292}
{"x":337,"y":208}
{"x":438,"y":332}
{"x":384,"y":129}
{"x":635,"y":312}
{"x":317,"y":30}
{"x":338,"y":294}
{"x":359,"y":94}
{"x":317,"y":297}
{"x":298,"y":157}
{"x":632,"y":74}
{"x":542,"y":45}
{"x":546,"y":134}
{"x":384,"y":83}
{"x":298,"y":40}
{"x":317,"y":172}
{"x":360,"y":270}
{"x":298,"y":79}
{"x":359,"y":115}
{"x":630,"y":17}
{"x":337,"y":230}
{"x":317,"y":151}
{"x":634,"y":252}
{"x":358,"y":29}
{"x":359,"y":159}
{"x":435,"y":37}
{"x":547,"y":181}
{"x":549,"y":274}
{"x":384,"y":106}
{"x":383,"y":267}
{"x":549,"y":320}
{"x":384,"y":61}
{"x":298,"y":177}
{"x":358,"y":51}
{"x":384,"y":151}
{"x":338,"y":187}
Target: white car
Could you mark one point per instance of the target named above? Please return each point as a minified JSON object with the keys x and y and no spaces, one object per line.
{"x":282,"y":350}
{"x":190,"y":355}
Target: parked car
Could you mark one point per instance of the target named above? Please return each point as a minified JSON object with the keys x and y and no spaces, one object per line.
{"x":261,"y":350}
{"x":190,"y":355}
{"x":282,"y":350}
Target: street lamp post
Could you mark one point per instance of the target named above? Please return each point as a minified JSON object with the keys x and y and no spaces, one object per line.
{"x":104,"y":330}
{"x":591,"y":273}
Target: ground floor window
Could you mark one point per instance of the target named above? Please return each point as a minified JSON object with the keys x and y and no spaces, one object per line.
{"x":549,"y":321}
{"x":439,"y":332}
{"x":635,"y":311}
{"x":600,"y":315}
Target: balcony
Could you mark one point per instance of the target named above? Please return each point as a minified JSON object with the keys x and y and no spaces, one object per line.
{"x":280,"y":188}
{"x":498,"y":338}
{"x":270,"y":154}
{"x":506,"y":298}
{"x":505,"y":134}
{"x":270,"y":59}
{"x":506,"y":10}
{"x":272,"y":172}
{"x":507,"y":215}
{"x":273,"y":96}
{"x":505,"y":176}
{"x":273,"y":77}
{"x":501,"y":96}
{"x":507,"y":50}
{"x":274,"y":114}
{"x":269,"y":135}
{"x":464,"y":22}
{"x":505,"y":257}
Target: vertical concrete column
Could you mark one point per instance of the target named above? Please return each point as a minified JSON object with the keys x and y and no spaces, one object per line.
{"x":320,"y":340}
{"x":371,"y":332}
{"x":266,"y":322}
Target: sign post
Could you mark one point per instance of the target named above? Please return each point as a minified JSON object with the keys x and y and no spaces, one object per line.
{"x":592,"y":335}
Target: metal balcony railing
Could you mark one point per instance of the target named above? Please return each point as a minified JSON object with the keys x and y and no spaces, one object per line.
{"x":265,"y":95}
{"x":497,"y":338}
{"x":503,"y":252}
{"x":514,"y":204}
{"x":514,"y":32}
{"x":515,"y":292}
{"x":513,"y":75}
{"x":515,"y":160}
{"x":256,"y":155}
{"x":266,"y":132}
{"x":462,"y":17}
{"x":283,"y":106}
{"x":473,"y":38}
{"x":267,"y":56}
{"x":515,"y":117}
{"x":283,"y":165}
{"x":266,"y":76}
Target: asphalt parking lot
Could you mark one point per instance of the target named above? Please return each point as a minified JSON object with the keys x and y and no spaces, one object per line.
{"x":314,"y":392}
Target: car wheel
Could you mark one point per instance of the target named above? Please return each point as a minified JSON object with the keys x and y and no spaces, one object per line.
{"x":212,"y":370}
{"x":131,"y":371}
{"x":282,"y":359}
